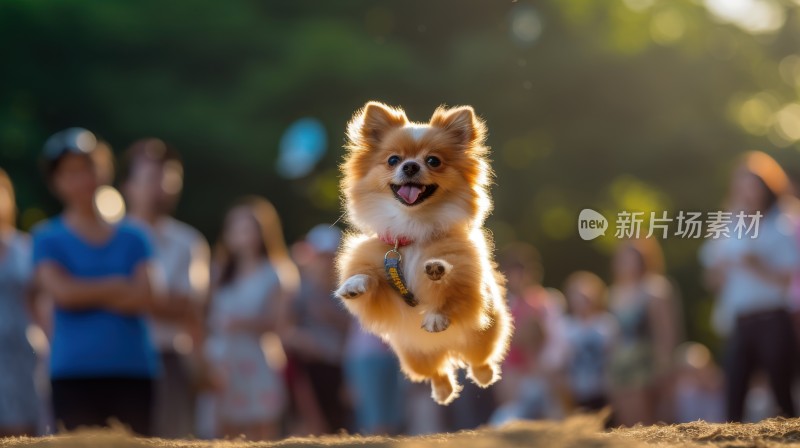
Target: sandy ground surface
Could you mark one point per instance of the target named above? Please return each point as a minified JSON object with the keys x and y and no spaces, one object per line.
{"x":582,"y":431}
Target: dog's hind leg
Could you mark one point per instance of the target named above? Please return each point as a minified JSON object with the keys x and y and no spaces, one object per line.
{"x":419,"y":366}
{"x":481,"y":354}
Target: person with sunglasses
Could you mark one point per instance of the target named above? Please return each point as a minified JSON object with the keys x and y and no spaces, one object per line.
{"x":102,"y":361}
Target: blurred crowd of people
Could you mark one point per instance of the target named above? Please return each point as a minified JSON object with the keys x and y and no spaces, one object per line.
{"x":140,"y":321}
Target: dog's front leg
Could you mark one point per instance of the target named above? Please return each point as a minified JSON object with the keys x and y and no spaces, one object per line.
{"x":436,"y":269}
{"x":355,"y":286}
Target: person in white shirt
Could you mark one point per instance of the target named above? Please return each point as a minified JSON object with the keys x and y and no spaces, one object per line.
{"x":152,"y":182}
{"x":750,"y":275}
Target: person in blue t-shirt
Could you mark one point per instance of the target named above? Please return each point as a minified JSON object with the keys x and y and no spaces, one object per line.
{"x":102,"y":362}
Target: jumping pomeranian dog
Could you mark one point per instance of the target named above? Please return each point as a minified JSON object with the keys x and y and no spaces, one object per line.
{"x":419,"y":271}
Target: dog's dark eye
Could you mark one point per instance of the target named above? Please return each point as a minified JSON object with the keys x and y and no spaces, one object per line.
{"x":433,"y":162}
{"x":393,"y":160}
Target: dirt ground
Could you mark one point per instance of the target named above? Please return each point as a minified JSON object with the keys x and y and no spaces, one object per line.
{"x":581,"y":431}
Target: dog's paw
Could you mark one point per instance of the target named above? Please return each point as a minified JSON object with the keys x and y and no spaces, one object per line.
{"x":436,"y":269}
{"x":444,"y":390}
{"x":435,"y":322}
{"x":485,"y":375}
{"x":354,"y":286}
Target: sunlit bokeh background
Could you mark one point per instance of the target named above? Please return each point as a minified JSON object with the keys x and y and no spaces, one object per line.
{"x":613,"y":104}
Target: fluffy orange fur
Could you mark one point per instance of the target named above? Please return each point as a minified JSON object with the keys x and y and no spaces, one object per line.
{"x":462,"y":316}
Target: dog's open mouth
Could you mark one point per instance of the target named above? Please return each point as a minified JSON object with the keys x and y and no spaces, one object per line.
{"x":413,"y":194}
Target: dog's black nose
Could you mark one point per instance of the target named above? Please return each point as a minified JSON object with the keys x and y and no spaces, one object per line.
{"x":410,"y":168}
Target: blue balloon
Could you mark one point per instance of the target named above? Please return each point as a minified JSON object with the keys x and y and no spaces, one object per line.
{"x":302,"y":146}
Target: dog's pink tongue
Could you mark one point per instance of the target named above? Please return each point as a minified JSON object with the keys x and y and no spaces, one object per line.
{"x":409,"y":193}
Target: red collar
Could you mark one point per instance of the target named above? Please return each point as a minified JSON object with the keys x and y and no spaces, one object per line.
{"x":391,"y":240}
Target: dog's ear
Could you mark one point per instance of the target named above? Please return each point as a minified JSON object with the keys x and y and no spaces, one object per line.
{"x":371,"y":123}
{"x":461,"y":124}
